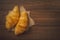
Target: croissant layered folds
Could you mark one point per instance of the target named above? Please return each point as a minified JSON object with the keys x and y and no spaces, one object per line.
{"x":22,"y":23}
{"x":12,"y":18}
{"x":19,"y":20}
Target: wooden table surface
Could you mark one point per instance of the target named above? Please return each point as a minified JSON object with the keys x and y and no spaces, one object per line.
{"x":46,"y":14}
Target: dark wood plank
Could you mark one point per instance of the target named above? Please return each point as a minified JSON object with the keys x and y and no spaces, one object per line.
{"x":46,"y":14}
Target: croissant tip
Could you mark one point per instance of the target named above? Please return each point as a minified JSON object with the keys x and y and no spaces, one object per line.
{"x":16,"y":33}
{"x":15,"y":8}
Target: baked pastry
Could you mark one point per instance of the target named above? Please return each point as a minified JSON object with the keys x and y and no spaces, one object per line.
{"x":23,"y":22}
{"x":12,"y":18}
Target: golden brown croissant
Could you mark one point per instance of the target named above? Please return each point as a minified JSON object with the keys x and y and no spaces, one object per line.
{"x":12,"y":18}
{"x":22,"y":23}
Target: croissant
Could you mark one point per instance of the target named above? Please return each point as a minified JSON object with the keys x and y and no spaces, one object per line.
{"x":22,"y":23}
{"x":12,"y":18}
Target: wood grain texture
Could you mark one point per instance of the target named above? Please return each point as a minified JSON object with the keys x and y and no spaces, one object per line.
{"x":46,"y":14}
